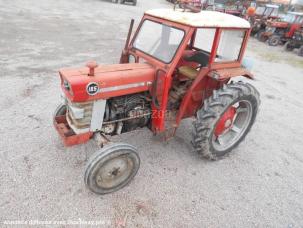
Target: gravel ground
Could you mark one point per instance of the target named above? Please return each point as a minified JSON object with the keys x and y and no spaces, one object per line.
{"x":258,"y":185}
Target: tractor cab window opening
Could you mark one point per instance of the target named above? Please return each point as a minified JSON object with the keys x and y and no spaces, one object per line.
{"x":230,"y":45}
{"x":300,"y":20}
{"x":159,"y":40}
{"x":290,"y":18}
{"x":204,"y":39}
{"x":260,"y":10}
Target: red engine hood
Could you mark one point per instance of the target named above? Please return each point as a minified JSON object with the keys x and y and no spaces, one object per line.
{"x":111,"y":80}
{"x":279,"y":24}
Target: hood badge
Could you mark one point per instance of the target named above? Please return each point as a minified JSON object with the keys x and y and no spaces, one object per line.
{"x":92,"y":88}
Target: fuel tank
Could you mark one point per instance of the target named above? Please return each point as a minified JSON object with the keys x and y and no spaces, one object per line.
{"x":106,"y":81}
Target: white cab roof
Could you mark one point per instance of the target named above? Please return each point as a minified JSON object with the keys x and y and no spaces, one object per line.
{"x":202,"y":19}
{"x":272,"y":6}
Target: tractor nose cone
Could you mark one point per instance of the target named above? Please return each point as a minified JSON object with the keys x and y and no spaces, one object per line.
{"x":91,"y":66}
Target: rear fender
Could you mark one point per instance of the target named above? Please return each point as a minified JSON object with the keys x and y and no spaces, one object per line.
{"x":203,"y":87}
{"x":224,"y":74}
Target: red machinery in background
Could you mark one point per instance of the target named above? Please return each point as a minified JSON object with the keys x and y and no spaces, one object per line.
{"x":279,"y":32}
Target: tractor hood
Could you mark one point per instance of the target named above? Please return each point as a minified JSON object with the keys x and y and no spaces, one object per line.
{"x":278,"y":24}
{"x":106,"y":81}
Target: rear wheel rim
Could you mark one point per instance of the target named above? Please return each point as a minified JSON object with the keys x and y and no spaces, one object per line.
{"x":235,"y":128}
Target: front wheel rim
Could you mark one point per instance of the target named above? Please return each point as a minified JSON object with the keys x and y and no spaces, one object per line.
{"x":274,"y":42}
{"x":115,"y":172}
{"x":235,"y":128}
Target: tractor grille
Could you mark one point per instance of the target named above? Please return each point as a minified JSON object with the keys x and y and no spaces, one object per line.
{"x":79,"y":115}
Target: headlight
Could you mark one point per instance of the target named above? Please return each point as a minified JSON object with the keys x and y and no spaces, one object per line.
{"x":67,"y":87}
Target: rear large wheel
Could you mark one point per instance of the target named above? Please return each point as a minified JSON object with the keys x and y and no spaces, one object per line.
{"x":225,"y":119}
{"x":111,"y":168}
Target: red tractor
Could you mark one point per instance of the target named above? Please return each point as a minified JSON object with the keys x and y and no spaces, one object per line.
{"x":263,"y":15}
{"x":279,"y":32}
{"x":177,"y":65}
{"x":296,"y":42}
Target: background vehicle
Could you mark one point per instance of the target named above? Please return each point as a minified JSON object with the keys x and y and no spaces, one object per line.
{"x":262,"y":15}
{"x":296,"y":42}
{"x":236,"y":10}
{"x":208,"y":5}
{"x":279,"y":32}
{"x":177,"y":65}
{"x":191,"y":5}
{"x":133,"y":2}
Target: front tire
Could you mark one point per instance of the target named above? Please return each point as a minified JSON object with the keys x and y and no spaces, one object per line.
{"x":260,"y":36}
{"x":60,"y":110}
{"x":274,"y":40}
{"x":300,"y":53}
{"x":111,"y":168}
{"x":288,"y":46}
{"x":225,"y":119}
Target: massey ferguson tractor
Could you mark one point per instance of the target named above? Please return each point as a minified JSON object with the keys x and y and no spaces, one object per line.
{"x":296,"y":42}
{"x":177,"y":65}
{"x":279,"y":32}
{"x":263,"y":15}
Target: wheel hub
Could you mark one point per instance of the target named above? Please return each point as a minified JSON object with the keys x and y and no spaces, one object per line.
{"x":226,"y":121}
{"x":114,"y":172}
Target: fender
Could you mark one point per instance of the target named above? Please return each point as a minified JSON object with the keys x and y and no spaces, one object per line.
{"x":227,"y":73}
{"x":207,"y":81}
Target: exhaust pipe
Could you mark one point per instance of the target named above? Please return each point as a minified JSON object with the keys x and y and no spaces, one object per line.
{"x":124,"y":55}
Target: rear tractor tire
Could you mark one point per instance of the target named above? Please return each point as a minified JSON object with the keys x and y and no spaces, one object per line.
{"x":225,"y":119}
{"x":111,"y":168}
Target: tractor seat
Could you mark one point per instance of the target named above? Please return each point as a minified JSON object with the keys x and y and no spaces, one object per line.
{"x":199,"y":57}
{"x":188,"y":72}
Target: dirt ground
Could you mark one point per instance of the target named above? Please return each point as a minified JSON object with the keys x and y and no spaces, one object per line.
{"x":259,"y":185}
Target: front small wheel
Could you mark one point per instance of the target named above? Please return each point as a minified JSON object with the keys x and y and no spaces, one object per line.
{"x":274,"y":40}
{"x":288,"y":46}
{"x":260,"y":36}
{"x":300,"y":53}
{"x":60,"y":110}
{"x":225,"y":119}
{"x":111,"y":168}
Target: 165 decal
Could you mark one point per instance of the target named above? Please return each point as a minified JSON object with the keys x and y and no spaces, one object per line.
{"x":92,"y":88}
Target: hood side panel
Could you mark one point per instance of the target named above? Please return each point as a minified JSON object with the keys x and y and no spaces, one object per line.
{"x":113,"y":80}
